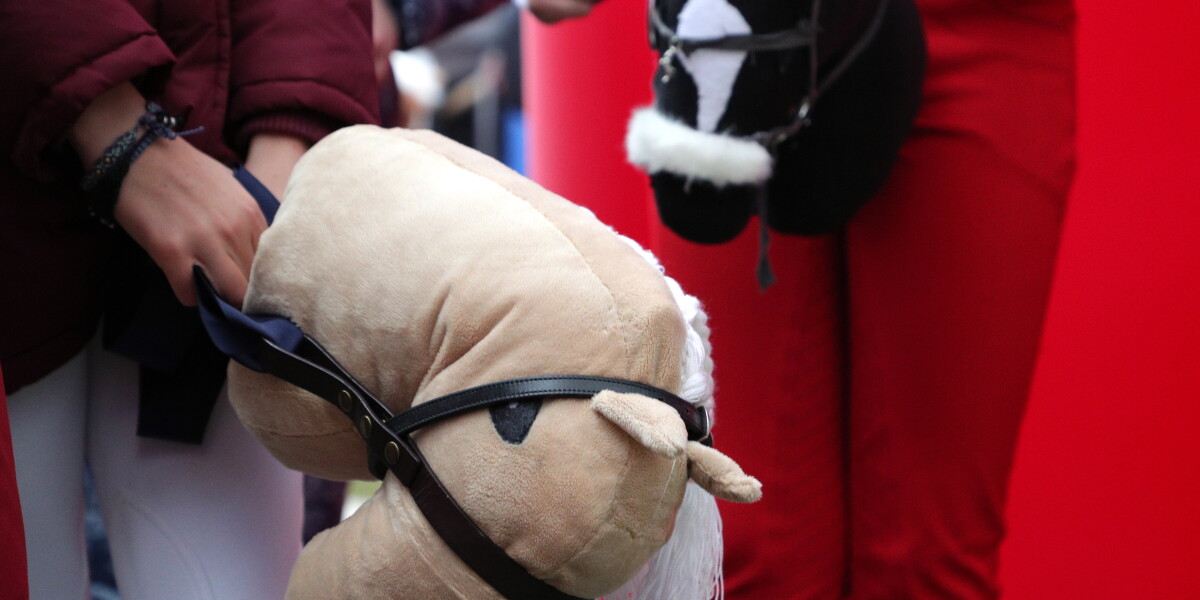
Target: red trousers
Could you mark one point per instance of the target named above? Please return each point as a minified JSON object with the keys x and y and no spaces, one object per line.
{"x":877,"y":390}
{"x":13,"y":584}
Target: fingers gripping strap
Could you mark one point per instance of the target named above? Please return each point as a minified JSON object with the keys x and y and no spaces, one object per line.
{"x":234,"y":333}
{"x":237,"y":334}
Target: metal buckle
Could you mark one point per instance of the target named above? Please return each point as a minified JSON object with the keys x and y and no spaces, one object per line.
{"x":706,"y":426}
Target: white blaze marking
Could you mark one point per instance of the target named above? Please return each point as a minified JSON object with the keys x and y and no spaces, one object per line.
{"x":714,"y":71}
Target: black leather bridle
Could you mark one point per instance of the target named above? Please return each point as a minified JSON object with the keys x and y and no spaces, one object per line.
{"x":803,"y":34}
{"x":273,"y":344}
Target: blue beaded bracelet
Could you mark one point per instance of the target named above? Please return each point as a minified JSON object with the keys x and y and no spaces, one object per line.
{"x":103,"y":180}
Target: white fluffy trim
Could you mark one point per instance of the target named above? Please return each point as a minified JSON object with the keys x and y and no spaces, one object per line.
{"x":657,"y":143}
{"x":688,"y":566}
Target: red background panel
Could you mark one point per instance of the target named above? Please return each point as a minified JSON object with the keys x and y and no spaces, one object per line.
{"x":1105,"y":497}
{"x":582,"y":80}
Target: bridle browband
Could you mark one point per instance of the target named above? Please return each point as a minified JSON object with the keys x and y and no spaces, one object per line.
{"x":275,"y":345}
{"x":804,"y":34}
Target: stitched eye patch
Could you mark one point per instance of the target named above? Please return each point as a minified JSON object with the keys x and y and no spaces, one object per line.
{"x":513,"y":420}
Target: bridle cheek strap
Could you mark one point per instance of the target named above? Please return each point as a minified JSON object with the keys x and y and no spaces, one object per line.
{"x":312,"y":369}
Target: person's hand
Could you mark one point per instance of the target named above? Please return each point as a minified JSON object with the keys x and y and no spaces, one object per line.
{"x":183,"y":207}
{"x":553,"y":11}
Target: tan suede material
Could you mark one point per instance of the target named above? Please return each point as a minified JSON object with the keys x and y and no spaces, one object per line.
{"x":425,"y":268}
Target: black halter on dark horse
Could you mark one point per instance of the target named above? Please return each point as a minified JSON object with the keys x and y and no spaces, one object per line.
{"x":826,"y":90}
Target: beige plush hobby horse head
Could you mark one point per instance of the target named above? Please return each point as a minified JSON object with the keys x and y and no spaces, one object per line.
{"x":426,"y":268}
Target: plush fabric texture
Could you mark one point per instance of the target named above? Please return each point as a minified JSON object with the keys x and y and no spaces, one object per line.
{"x":425,"y":268}
{"x":653,"y":424}
{"x":720,"y":475}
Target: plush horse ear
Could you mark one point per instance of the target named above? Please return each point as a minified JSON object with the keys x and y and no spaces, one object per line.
{"x":652,"y":423}
{"x":659,"y":428}
{"x":720,"y":476}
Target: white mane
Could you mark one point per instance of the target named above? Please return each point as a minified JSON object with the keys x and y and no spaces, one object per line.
{"x":688,"y":566}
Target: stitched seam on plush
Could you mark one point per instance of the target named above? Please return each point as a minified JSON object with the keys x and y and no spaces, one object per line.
{"x":612,"y":308}
{"x":612,"y":297}
{"x":295,"y":435}
{"x":593,"y":539}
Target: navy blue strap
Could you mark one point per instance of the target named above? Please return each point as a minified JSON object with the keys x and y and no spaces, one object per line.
{"x":240,"y":335}
{"x":237,"y":334}
{"x":266,"y":200}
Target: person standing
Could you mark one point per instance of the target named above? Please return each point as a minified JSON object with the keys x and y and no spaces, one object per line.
{"x":146,"y":105}
{"x":877,"y":389}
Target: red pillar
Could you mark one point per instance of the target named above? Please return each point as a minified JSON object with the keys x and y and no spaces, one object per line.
{"x":582,"y":80}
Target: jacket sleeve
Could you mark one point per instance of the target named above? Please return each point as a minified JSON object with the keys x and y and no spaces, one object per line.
{"x":301,"y":67}
{"x":56,"y":56}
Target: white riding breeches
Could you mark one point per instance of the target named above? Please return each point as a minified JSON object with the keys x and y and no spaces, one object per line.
{"x":217,"y":521}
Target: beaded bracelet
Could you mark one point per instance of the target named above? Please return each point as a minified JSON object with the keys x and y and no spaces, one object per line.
{"x":103,"y":180}
{"x":104,"y":166}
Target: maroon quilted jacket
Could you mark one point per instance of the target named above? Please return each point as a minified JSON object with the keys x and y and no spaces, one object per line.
{"x":235,"y":67}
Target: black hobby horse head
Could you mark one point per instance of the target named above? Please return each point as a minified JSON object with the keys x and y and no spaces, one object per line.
{"x":791,"y":109}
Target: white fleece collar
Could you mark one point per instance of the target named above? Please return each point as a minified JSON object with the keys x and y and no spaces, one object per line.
{"x":657,"y":143}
